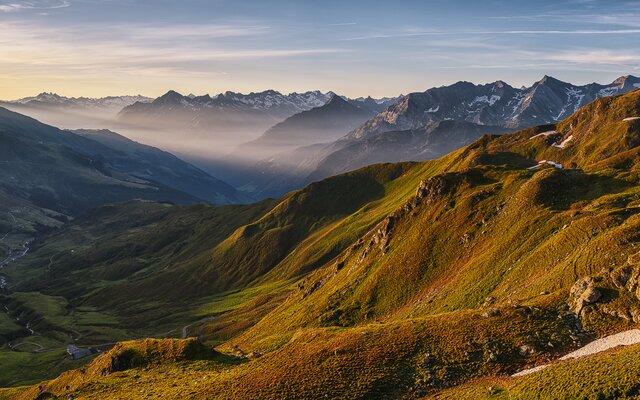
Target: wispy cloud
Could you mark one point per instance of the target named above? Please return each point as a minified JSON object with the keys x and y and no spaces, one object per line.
{"x":497,"y":32}
{"x":143,"y":49}
{"x":628,"y":19}
{"x":601,"y":61}
{"x":601,"y":57}
{"x":175,"y":32}
{"x":33,"y":5}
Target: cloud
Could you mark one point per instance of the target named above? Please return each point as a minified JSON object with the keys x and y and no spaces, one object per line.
{"x":130,"y":49}
{"x":173,"y":32}
{"x":597,"y":61}
{"x":33,"y":5}
{"x":630,"y":19}
{"x":600,"y":57}
{"x":570,"y":32}
{"x":492,"y":32}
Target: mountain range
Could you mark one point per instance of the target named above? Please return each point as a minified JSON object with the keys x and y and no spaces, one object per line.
{"x":223,"y":113}
{"x":435,"y":279}
{"x":219,"y":123}
{"x":416,"y":127}
{"x":72,"y":112}
{"x":498,"y":104}
{"x":55,"y":101}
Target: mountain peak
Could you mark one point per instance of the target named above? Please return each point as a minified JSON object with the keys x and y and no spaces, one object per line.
{"x":50,"y":97}
{"x":627,"y":82}
{"x":500,"y":84}
{"x":170,"y":98}
{"x":550,"y":80}
{"x":336,"y":101}
{"x":271,"y":92}
{"x":201,"y":99}
{"x":48,"y":94}
{"x":171,"y":93}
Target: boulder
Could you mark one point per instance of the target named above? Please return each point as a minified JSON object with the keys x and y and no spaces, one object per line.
{"x":525,"y":350}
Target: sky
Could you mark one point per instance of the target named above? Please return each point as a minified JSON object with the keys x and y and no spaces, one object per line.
{"x":353,"y":47}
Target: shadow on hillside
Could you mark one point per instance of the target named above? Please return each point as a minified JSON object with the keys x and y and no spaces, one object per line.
{"x":565,"y":189}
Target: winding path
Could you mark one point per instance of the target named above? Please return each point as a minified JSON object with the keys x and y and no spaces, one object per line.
{"x":40,"y":349}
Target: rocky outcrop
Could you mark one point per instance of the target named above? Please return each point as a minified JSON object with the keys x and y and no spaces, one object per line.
{"x":428,"y":192}
{"x":628,"y":276}
{"x":584,"y":293}
{"x":625,"y":278}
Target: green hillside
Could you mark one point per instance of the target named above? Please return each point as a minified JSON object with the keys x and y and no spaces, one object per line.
{"x":435,"y":279}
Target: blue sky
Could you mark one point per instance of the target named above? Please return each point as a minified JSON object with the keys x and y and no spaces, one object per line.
{"x":353,"y":47}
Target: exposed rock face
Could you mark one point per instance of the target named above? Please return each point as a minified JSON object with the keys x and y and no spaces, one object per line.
{"x":382,"y":236}
{"x":590,"y":296}
{"x":581,"y":285}
{"x":585,"y":293}
{"x":428,"y":191}
{"x":492,"y":357}
{"x":624,"y":278}
{"x":632,"y":281}
{"x":628,"y":276}
{"x":621,"y":276}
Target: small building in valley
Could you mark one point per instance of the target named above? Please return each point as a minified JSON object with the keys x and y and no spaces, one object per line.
{"x":77,"y":353}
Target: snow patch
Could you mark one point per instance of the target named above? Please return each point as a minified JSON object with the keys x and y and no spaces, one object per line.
{"x":485,"y":99}
{"x":564,"y":143}
{"x":543,"y":162}
{"x":625,"y":338}
{"x":530,"y":370}
{"x":608,"y":91}
{"x":575,"y":97}
{"x":433,"y":109}
{"x":547,"y":133}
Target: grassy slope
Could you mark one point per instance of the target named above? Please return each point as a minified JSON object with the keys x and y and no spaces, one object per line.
{"x":394,"y":307}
